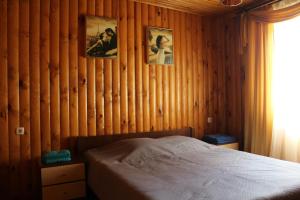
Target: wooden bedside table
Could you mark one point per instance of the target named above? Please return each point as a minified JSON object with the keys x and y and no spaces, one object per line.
{"x":234,"y":145}
{"x":63,"y":181}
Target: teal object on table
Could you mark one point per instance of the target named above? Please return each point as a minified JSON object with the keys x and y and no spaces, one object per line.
{"x":219,"y":139}
{"x":56,"y":156}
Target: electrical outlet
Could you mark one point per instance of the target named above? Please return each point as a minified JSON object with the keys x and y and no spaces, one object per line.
{"x":209,"y":120}
{"x":20,"y":131}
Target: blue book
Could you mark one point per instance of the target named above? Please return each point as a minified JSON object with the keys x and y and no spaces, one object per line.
{"x":219,"y":139}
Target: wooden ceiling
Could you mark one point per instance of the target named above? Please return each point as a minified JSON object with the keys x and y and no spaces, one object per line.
{"x":201,"y":7}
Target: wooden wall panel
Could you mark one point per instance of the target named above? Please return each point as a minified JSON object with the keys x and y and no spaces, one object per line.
{"x":165,"y":79}
{"x":91,"y":83}
{"x":116,"y":77}
{"x":131,"y":67}
{"x":35,"y":120}
{"x":24,"y":92}
{"x":213,"y":77}
{"x":195,"y":77}
{"x":108,"y":119}
{"x":223,"y":77}
{"x":172,"y":81}
{"x":139,"y":67}
{"x":178,"y":69}
{"x":13,"y":93}
{"x":54,"y":74}
{"x":64,"y":73}
{"x":152,"y":76}
{"x":4,"y":135}
{"x":200,"y":79}
{"x":99,"y":11}
{"x":189,"y":71}
{"x":205,"y":36}
{"x":158,"y":72}
{"x":146,"y":75}
{"x":183,"y":72}
{"x":234,"y":75}
{"x":48,"y":86}
{"x":82,"y":71}
{"x":123,"y":64}
{"x":73,"y":67}
{"x":209,"y":97}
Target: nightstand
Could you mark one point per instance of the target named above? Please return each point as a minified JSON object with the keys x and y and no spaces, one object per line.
{"x":234,"y":145}
{"x":63,"y":181}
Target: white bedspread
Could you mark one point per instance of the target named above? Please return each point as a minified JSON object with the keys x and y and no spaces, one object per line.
{"x":182,"y":168}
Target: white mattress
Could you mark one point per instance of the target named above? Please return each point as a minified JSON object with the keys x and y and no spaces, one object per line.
{"x":183,"y":168}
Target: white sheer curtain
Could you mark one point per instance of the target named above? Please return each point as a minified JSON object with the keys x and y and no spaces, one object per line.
{"x":284,"y":4}
{"x":286,"y":91}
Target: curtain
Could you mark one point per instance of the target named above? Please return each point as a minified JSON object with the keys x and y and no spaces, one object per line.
{"x":271,"y":16}
{"x":284,"y":4}
{"x":285,"y":87}
{"x":258,"y":99}
{"x":257,"y":39}
{"x":278,"y":12}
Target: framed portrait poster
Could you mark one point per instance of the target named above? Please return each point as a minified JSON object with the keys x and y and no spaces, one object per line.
{"x":101,"y":37}
{"x":159,"y":46}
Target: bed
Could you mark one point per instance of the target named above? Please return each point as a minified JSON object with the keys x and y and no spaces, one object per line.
{"x":175,"y":166}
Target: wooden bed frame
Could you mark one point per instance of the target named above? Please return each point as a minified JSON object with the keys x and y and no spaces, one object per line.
{"x":86,"y":143}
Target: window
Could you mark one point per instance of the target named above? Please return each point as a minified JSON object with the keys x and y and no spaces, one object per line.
{"x":286,"y":88}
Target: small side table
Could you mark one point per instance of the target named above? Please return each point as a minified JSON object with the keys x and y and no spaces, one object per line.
{"x":63,"y":181}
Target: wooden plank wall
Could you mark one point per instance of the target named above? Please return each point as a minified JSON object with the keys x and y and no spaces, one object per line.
{"x":223,"y":75}
{"x":235,"y":78}
{"x":49,"y":87}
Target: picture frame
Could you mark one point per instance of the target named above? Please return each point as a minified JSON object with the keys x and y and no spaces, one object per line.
{"x":159,"y":46}
{"x":101,"y":37}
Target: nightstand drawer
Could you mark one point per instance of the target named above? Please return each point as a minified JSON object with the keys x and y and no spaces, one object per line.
{"x":230,"y":146}
{"x":62,"y":174}
{"x":64,"y":191}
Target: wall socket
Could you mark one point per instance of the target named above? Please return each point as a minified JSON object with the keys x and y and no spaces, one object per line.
{"x":20,"y":131}
{"x":209,"y":120}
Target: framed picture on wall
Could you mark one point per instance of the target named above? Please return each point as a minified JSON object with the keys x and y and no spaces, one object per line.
{"x":101,"y":37}
{"x":159,"y":46}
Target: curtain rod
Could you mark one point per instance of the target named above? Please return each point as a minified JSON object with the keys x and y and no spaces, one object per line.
{"x":265,"y":3}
